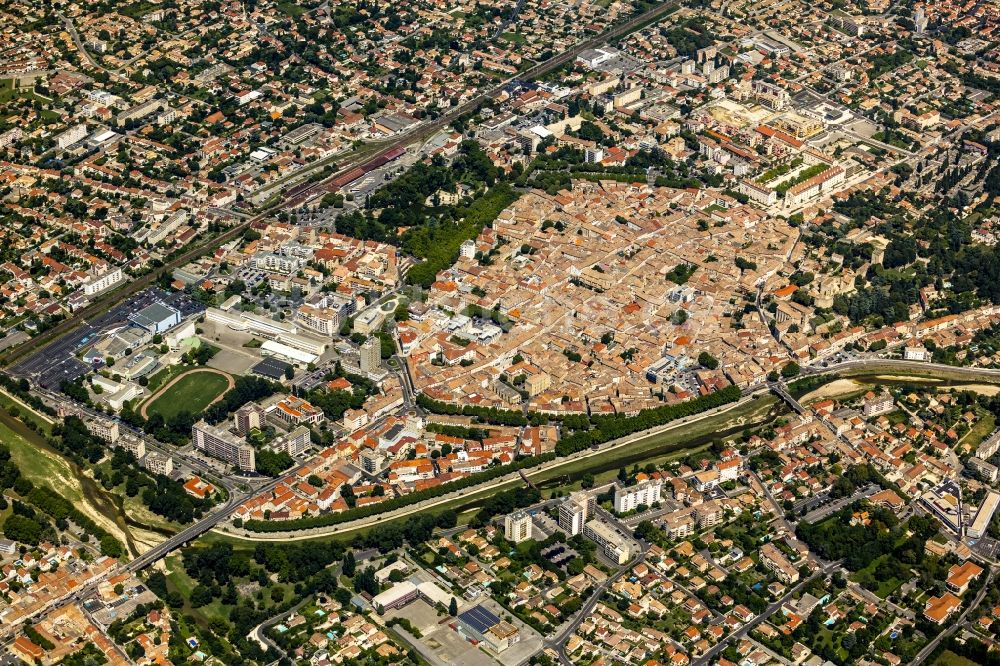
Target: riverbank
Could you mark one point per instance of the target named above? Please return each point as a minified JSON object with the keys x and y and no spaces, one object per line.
{"x":44,"y":466}
{"x":671,"y":441}
{"x":844,"y":388}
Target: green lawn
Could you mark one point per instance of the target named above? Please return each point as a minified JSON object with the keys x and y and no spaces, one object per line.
{"x":8,"y":92}
{"x":949,"y":658}
{"x":193,"y":393}
{"x":39,"y":464}
{"x":657,"y":448}
{"x":25,"y":413}
{"x":673,"y":442}
{"x":885,"y":587}
{"x":980,"y":431}
{"x":158,"y":379}
{"x":291,"y":9}
{"x":136,"y":10}
{"x":179,"y":580}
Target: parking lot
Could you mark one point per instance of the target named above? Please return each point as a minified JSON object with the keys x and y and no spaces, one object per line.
{"x":421,"y":615}
{"x":987,"y":547}
{"x":448,"y":646}
{"x":817,"y":509}
{"x":444,"y":645}
{"x":56,"y":362}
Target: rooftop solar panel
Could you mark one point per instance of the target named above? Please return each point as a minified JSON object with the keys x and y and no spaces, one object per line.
{"x":479,"y":619}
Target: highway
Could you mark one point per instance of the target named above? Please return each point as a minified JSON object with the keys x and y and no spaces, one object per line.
{"x":749,"y":394}
{"x":71,"y":28}
{"x":297,"y":195}
{"x":896,"y":365}
{"x":420,"y":507}
{"x":194,"y":531}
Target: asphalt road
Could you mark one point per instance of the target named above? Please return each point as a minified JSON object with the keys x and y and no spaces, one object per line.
{"x":709,"y":656}
{"x":822,"y":512}
{"x":876,"y":365}
{"x":299,"y":194}
{"x":558,"y":641}
{"x":258,"y":631}
{"x":196,"y":466}
{"x":603,"y":450}
{"x":197,"y":529}
{"x":930,"y":647}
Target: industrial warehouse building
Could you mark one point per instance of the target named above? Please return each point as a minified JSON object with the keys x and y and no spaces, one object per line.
{"x":156,"y":318}
{"x":482,"y":624}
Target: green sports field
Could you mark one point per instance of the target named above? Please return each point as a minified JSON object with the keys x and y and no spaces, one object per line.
{"x":193,"y":393}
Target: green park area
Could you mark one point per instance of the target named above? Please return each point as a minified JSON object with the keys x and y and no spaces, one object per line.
{"x":8,"y":92}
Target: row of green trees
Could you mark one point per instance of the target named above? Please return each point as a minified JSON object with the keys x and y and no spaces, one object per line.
{"x":591,"y":431}
{"x":606,"y":428}
{"x":327,"y":519}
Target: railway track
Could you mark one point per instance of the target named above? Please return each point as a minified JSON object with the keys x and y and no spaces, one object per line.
{"x":428,"y":129}
{"x":297,"y":195}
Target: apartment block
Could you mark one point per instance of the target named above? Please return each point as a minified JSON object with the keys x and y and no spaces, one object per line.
{"x":615,"y":545}
{"x":106,"y":430}
{"x":294,"y":442}
{"x":629,"y":498}
{"x":106,"y":280}
{"x":573,"y":513}
{"x":223,"y":445}
{"x":774,"y":560}
{"x":248,"y":417}
{"x":878,"y":404}
{"x":158,"y":464}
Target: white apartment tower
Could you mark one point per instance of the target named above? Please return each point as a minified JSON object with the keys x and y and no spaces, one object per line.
{"x":517,"y":527}
{"x":574,"y":512}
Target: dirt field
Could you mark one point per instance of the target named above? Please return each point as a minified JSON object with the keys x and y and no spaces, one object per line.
{"x":989,"y":390}
{"x":835,"y":388}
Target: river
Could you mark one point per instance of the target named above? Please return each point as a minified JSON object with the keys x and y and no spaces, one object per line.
{"x":107,"y":504}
